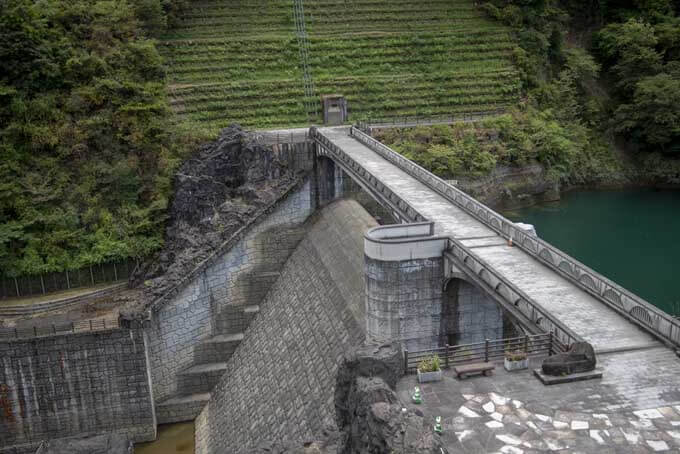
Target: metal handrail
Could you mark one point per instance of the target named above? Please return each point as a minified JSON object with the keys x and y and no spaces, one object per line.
{"x":429,"y":119}
{"x":451,"y":355}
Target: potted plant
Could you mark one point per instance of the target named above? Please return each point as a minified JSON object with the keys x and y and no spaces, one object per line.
{"x":516,"y":360}
{"x":429,"y":370}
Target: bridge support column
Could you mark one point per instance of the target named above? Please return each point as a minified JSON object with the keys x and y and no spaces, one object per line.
{"x":329,"y":181}
{"x":404,"y":269}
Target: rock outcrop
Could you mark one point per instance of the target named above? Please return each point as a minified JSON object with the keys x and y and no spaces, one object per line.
{"x":369,"y":418}
{"x":368,"y":413}
{"x":579,"y":358}
{"x":216,"y":192}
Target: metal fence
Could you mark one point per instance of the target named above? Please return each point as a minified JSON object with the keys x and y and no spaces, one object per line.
{"x":25,"y":286}
{"x":451,"y":355}
{"x":81,"y":326}
{"x":427,"y":120}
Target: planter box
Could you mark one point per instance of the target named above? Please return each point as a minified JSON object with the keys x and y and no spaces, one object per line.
{"x":516,"y":365}
{"x":424,"y":377}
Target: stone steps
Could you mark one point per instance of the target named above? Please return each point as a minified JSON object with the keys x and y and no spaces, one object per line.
{"x":235,"y":319}
{"x":217,"y":348}
{"x":200,"y":378}
{"x":181,"y":408}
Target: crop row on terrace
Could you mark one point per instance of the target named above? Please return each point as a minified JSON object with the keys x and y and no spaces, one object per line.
{"x":366,"y":98}
{"x":282,"y":90}
{"x":361,"y":97}
{"x":239,"y":61}
{"x":268,"y":45}
{"x":274,"y":51}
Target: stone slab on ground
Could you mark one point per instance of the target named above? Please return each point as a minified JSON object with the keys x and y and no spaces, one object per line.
{"x":632,"y":409}
{"x":557,"y":380}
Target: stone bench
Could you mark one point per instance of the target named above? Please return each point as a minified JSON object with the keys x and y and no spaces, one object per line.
{"x":474,"y":369}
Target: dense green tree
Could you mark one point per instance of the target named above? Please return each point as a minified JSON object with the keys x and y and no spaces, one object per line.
{"x":653,"y":115}
{"x":630,"y":49}
{"x":86,"y":140}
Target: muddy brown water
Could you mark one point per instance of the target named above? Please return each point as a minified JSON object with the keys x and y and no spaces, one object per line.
{"x":172,"y":439}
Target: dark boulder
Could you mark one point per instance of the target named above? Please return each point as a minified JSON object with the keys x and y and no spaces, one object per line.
{"x":369,"y":417}
{"x":368,"y":413}
{"x":579,"y":358}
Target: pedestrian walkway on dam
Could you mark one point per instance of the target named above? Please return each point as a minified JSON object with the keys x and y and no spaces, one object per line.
{"x":581,"y":312}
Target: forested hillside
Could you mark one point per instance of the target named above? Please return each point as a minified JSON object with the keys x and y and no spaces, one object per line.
{"x":86,"y":152}
{"x":602,"y":97}
{"x":89,"y":141}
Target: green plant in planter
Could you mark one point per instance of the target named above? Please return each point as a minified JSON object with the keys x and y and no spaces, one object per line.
{"x":516,"y":355}
{"x":430,"y":364}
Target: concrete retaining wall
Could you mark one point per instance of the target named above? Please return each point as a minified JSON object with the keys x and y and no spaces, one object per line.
{"x":279,"y":384}
{"x":59,"y":386}
{"x":198,"y":312}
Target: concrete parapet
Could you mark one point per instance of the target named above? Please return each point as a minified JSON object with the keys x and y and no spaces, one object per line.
{"x":404,"y":270}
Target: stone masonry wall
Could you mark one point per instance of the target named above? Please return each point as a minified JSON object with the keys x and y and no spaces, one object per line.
{"x":58,"y":386}
{"x":279,"y":384}
{"x":404,"y":301}
{"x":469,"y":315}
{"x":193,"y":315}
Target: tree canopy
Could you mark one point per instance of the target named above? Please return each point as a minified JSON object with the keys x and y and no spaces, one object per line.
{"x":85,"y":137}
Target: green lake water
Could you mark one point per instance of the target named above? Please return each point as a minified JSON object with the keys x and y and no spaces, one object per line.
{"x":630,"y":236}
{"x":172,"y":439}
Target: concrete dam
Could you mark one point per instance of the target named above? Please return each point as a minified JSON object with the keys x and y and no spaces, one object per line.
{"x":249,"y":343}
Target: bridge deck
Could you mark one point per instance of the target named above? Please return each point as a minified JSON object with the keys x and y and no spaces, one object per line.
{"x":578,"y":310}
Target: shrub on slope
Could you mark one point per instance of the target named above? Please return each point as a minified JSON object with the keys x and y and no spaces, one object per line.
{"x":87,"y":153}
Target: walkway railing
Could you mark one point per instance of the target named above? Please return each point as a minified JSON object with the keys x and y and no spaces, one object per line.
{"x":520,"y":304}
{"x":489,"y":350}
{"x":516,"y":302}
{"x":81,"y":326}
{"x":631,"y":306}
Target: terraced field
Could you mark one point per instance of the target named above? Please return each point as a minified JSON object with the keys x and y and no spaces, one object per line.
{"x":240,"y":62}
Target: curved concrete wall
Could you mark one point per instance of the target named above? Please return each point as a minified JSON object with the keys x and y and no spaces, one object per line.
{"x":279,"y":384}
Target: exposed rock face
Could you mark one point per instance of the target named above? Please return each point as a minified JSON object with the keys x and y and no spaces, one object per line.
{"x":216,"y":193}
{"x":368,"y":415}
{"x":99,"y":444}
{"x":367,"y":408}
{"x":580,"y":358}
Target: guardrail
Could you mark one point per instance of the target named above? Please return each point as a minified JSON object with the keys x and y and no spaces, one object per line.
{"x":521,"y":304}
{"x":81,"y":326}
{"x":423,"y":120}
{"x":489,"y":350}
{"x":42,"y":284}
{"x":366,"y":179}
{"x":525,"y":305}
{"x":34,"y":308}
{"x":631,"y":306}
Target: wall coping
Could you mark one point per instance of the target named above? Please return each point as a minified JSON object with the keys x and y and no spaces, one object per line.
{"x":399,"y":242}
